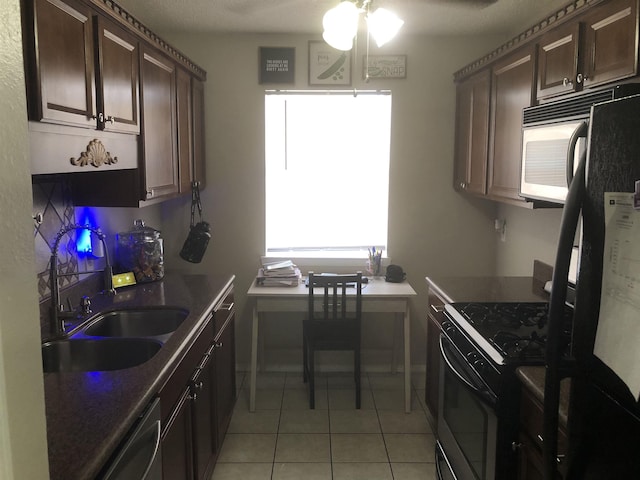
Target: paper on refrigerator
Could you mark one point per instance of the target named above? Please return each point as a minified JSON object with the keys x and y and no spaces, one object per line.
{"x":618,"y":334}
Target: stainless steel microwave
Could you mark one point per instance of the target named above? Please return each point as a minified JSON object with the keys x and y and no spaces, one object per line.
{"x":553,"y":138}
{"x":549,"y":155}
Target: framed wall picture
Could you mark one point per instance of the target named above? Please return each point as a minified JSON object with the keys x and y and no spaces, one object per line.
{"x":277,"y":64}
{"x":385,"y":66}
{"x":328,"y":66}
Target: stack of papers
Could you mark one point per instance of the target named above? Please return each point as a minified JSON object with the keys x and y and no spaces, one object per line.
{"x":279,"y":274}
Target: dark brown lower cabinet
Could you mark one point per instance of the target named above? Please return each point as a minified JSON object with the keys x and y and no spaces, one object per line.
{"x":530,"y":440}
{"x":177,"y":462}
{"x":225,"y":379}
{"x":203,"y":402}
{"x":198,"y":399}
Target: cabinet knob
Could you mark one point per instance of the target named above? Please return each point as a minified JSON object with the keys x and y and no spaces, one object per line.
{"x":198,"y":386}
{"x":150,"y":193}
{"x":581,"y":78}
{"x":111,"y":119}
{"x":516,"y":446}
{"x":219,"y":345}
{"x":566,"y":82}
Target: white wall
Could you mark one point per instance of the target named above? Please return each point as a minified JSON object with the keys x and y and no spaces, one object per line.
{"x":433,"y":230}
{"x":23,"y":447}
{"x":531,"y":235}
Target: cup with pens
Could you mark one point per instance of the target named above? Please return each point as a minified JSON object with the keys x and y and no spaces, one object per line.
{"x":374,"y":265}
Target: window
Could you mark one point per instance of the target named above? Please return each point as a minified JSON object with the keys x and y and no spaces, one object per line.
{"x":327,"y":172}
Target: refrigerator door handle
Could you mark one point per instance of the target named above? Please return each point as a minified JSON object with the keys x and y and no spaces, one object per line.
{"x":569,"y":224}
{"x":580,"y":132}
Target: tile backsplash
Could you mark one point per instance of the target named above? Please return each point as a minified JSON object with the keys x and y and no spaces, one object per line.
{"x":53,"y":202}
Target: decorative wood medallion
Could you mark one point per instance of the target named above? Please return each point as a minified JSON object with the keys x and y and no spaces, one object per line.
{"x":95,"y":155}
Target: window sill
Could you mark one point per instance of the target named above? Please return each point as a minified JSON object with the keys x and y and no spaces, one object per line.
{"x":331,"y":262}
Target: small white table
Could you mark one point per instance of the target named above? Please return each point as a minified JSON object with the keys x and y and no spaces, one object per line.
{"x":377,"y":296}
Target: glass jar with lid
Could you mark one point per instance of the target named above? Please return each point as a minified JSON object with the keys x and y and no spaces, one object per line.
{"x":140,"y":251}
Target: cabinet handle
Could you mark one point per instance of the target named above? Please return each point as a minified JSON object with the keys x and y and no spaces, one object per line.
{"x":198,"y":386}
{"x":219,"y":345}
{"x":110,"y":119}
{"x":437,"y":308}
{"x":516,"y":446}
{"x":581,"y":78}
{"x":150,"y":193}
{"x":566,"y":82}
{"x":540,"y":439}
{"x":227,"y":306}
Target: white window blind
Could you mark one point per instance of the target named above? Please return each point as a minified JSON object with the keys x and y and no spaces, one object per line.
{"x":327,"y":172}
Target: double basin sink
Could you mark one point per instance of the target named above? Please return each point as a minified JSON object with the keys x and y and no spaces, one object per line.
{"x":113,"y":340}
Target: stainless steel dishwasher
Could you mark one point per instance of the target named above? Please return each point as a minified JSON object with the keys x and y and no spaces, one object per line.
{"x":140,"y":458}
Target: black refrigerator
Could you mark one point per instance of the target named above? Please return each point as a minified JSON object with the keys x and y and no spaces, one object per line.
{"x":604,"y":413}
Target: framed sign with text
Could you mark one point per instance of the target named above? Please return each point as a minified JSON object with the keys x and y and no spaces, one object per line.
{"x":277,"y":64}
{"x":385,"y":66}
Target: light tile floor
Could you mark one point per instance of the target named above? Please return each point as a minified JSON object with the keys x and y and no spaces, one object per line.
{"x":285,"y":440}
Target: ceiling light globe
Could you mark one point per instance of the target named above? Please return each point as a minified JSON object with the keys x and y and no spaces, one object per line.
{"x":383,"y":25}
{"x":338,"y":40}
{"x":342,"y":18}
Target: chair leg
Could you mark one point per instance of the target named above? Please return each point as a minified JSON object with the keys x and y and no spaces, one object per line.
{"x":356,"y":369}
{"x":312,"y":379}
{"x":305,"y":371}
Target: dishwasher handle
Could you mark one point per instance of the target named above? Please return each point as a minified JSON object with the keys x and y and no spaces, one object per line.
{"x":156,"y":449}
{"x":140,"y":456}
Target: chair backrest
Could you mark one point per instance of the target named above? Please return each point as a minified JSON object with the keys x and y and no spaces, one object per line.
{"x":332,"y":289}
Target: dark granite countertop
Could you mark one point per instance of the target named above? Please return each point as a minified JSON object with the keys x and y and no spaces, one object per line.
{"x":88,"y":413}
{"x":533,"y":380}
{"x":488,"y":289}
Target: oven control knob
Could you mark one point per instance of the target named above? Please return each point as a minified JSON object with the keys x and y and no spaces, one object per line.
{"x":479,"y":365}
{"x":449,"y":329}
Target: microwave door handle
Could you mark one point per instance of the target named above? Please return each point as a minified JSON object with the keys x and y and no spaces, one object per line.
{"x":579,"y":132}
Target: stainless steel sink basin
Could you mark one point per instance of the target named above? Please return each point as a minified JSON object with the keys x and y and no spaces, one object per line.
{"x":84,"y":355}
{"x":147,"y":322}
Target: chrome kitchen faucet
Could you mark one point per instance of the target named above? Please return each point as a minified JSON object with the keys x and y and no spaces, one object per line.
{"x":58,"y":314}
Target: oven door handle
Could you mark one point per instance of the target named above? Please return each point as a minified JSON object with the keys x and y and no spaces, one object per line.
{"x":486,"y":395}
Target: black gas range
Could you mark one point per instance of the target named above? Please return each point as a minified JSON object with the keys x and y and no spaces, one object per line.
{"x":481,"y":346}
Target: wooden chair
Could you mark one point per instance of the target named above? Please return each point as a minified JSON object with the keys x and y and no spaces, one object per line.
{"x":336,"y":326}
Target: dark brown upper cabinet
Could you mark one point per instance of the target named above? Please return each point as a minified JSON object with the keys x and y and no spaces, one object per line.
{"x":117,"y":79}
{"x":81,"y":69}
{"x":595,"y":49}
{"x":472,"y":133}
{"x":60,"y":62}
{"x":611,"y":50}
{"x":512,"y":87}
{"x":558,"y":59}
{"x":199,"y":153}
{"x":159,"y":147}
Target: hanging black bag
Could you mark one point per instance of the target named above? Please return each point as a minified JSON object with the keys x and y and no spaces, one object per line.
{"x":199,"y":234}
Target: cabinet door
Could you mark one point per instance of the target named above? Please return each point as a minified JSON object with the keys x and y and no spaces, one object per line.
{"x":432,"y":385}
{"x":117,"y":79}
{"x":204,"y":430}
{"x":225,"y":378}
{"x":159,"y":125}
{"x":63,"y":89}
{"x":472,"y":133}
{"x":558,"y":61}
{"x":511,"y":90}
{"x":611,"y":31}
{"x":199,"y":160}
{"x":185,"y":130}
{"x":177,"y":460}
